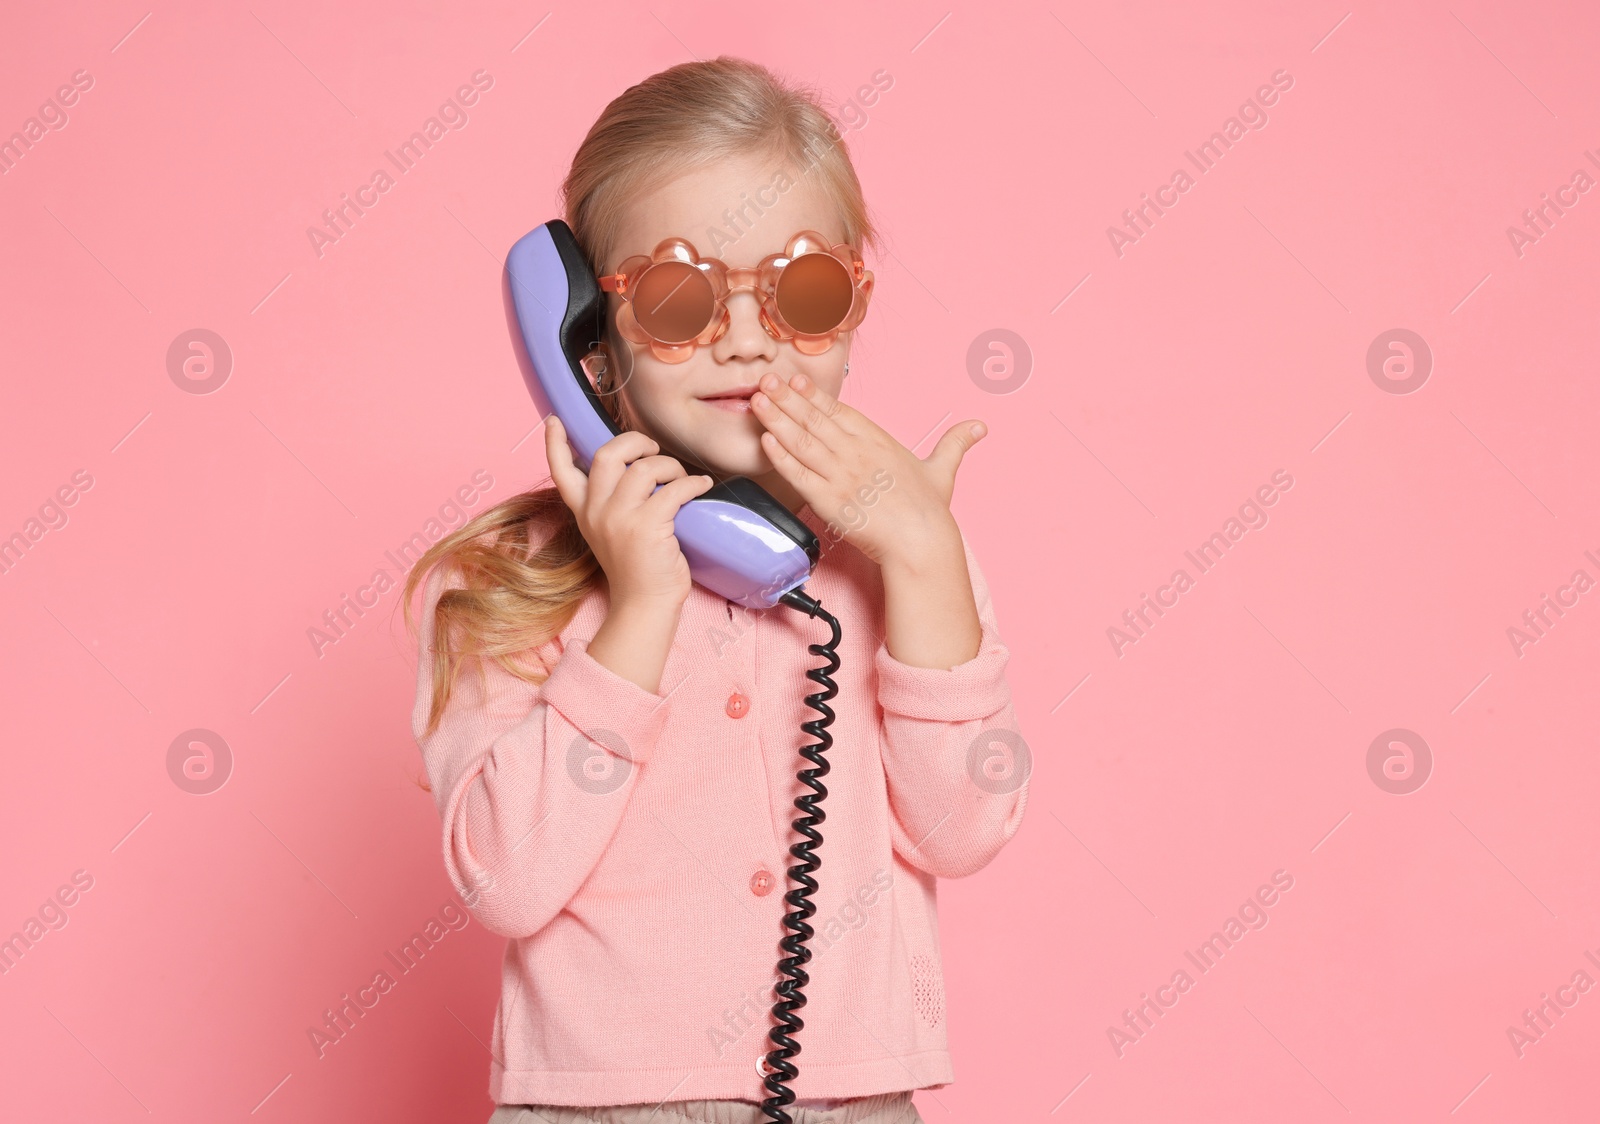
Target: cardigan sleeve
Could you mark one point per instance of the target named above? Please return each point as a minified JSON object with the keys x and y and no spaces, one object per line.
{"x":531,"y":780}
{"x":953,"y":754}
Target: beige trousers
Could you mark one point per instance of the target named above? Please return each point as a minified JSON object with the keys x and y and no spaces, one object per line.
{"x":885,"y":1108}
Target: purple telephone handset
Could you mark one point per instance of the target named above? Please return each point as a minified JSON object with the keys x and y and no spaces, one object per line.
{"x":739,"y":541}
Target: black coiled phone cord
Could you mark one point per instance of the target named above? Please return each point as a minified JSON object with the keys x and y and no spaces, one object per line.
{"x":811,"y":804}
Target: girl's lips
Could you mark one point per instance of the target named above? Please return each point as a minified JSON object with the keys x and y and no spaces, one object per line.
{"x":733,"y":405}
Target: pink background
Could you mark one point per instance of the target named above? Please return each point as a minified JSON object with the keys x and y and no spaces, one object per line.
{"x":1229,"y":343}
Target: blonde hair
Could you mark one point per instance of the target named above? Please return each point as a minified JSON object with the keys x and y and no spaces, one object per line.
{"x":523,"y":564}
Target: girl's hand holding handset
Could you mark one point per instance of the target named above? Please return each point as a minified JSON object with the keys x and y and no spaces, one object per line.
{"x":630,"y":531}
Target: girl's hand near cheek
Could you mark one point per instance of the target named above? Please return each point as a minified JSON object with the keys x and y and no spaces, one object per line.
{"x":626,"y":521}
{"x":891,"y":504}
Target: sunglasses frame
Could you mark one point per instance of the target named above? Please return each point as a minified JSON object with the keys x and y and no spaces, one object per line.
{"x":763,"y":279}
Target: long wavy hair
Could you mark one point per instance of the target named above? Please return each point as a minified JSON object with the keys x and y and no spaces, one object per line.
{"x":523,"y":564}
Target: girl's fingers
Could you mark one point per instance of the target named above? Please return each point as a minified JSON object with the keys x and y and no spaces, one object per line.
{"x":838,"y":413}
{"x":674,"y":494}
{"x":612,"y":460}
{"x":569,"y":481}
{"x":800,"y":442}
{"x":789,"y":466}
{"x":813,"y":409}
{"x":641,"y":477}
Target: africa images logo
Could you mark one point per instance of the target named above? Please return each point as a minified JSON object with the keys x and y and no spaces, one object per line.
{"x":340,"y":220}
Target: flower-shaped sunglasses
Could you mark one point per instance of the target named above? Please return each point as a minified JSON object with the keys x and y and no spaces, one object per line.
{"x":674,"y":300}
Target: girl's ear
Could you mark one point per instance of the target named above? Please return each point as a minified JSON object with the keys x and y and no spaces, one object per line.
{"x":598,"y":365}
{"x":618,"y":364}
{"x":621,"y":357}
{"x":867,"y":282}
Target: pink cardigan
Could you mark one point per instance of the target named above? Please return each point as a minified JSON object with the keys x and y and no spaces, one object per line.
{"x":634,"y":846}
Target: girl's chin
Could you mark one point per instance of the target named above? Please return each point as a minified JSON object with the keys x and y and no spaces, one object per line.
{"x":736,"y":456}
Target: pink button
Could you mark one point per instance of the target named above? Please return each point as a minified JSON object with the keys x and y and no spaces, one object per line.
{"x":762,"y":882}
{"x":738,"y":705}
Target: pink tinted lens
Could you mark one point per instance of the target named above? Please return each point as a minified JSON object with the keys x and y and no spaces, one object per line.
{"x":814,"y":294}
{"x":673,"y":301}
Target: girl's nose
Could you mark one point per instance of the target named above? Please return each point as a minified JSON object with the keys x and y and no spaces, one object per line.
{"x":745,"y":337}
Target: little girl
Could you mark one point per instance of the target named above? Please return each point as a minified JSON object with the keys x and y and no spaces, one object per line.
{"x":616,"y":769}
